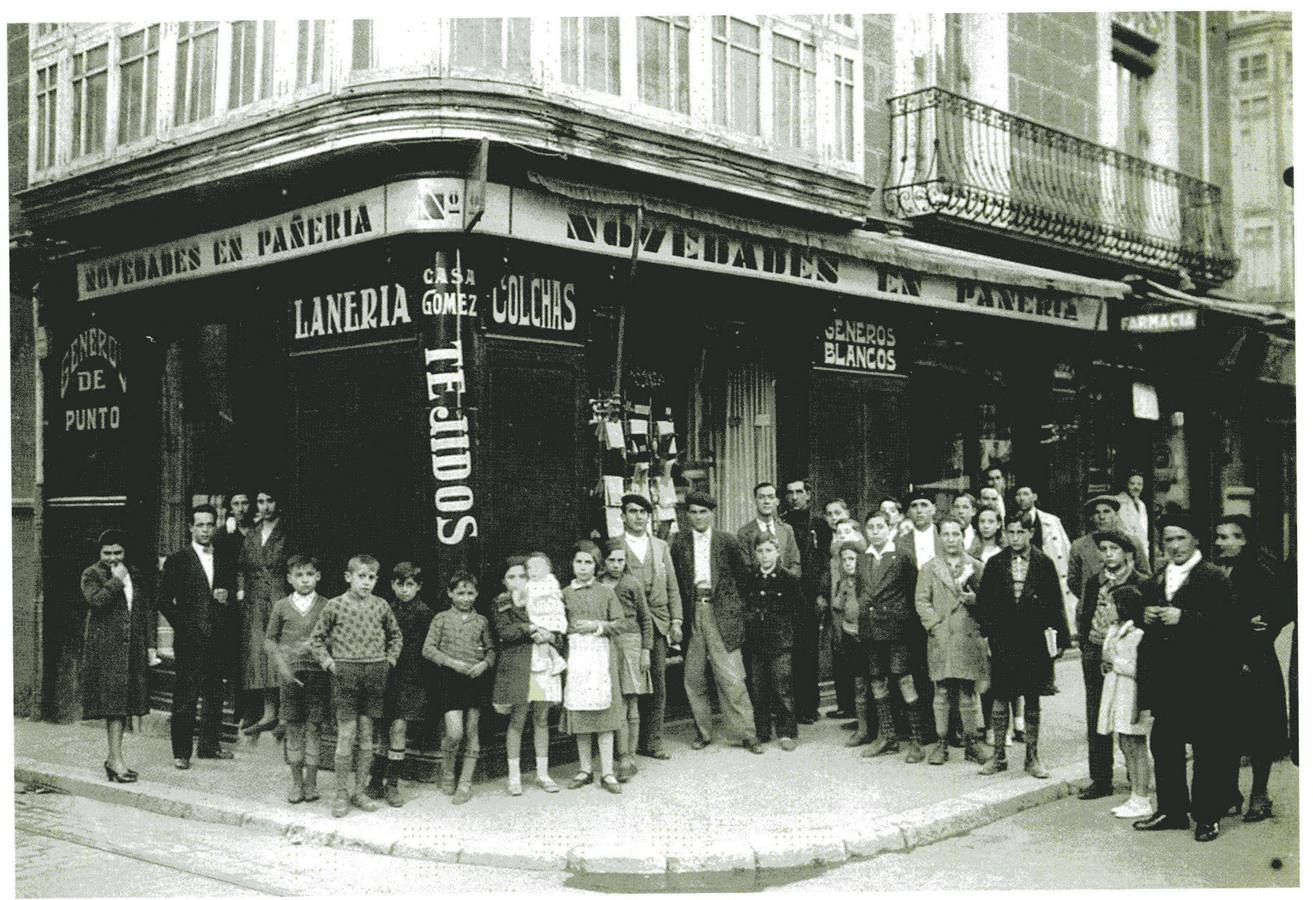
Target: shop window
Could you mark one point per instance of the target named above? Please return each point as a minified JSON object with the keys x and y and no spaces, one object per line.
{"x":193,"y":98}
{"x":491,"y":45}
{"x":47,"y":93}
{"x":139,"y":75}
{"x":1171,"y":466}
{"x":845,"y":99}
{"x":362,"y":44}
{"x":793,"y":64}
{"x":90,"y":84}
{"x":590,"y":52}
{"x":1250,"y":68}
{"x":663,"y":62}
{"x":736,"y":74}
{"x":745,"y":445}
{"x":309,"y":52}
{"x":251,"y":75}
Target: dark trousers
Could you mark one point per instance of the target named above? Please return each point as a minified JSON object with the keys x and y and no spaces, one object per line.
{"x":806,"y":665}
{"x":652,"y":707}
{"x":1099,"y":745}
{"x":843,"y":670}
{"x":1211,"y":789}
{"x":770,"y":685}
{"x":197,"y":678}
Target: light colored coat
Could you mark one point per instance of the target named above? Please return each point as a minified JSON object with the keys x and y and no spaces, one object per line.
{"x":1133,"y":521}
{"x":956,"y":648}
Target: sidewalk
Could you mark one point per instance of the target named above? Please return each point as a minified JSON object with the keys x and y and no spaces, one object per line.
{"x":715,"y":810}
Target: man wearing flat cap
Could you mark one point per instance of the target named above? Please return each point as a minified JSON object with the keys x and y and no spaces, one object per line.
{"x":1189,"y":668}
{"x":1107,"y":596}
{"x":648,"y":559}
{"x":1086,"y":558}
{"x":712,"y":570}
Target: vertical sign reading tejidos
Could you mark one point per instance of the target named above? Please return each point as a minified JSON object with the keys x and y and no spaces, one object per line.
{"x":449,"y":421}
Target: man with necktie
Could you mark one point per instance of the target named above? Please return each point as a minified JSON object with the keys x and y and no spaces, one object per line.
{"x":767,"y":521}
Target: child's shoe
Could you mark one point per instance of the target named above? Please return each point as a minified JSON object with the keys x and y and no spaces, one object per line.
{"x":310,"y":782}
{"x":547,"y":784}
{"x":514,"y":787}
{"x":1135,"y":808}
{"x":341,"y":805}
{"x":374,"y":788}
{"x":296,"y":794}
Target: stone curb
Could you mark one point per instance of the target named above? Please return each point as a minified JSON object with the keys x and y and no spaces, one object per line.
{"x":852,"y":840}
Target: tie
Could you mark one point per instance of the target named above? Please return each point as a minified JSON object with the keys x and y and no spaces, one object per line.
{"x":207,"y":550}
{"x":770,"y":526}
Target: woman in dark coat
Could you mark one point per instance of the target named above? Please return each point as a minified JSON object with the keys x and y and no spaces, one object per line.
{"x":1014,"y":615}
{"x":1263,"y":734}
{"x":118,"y":647}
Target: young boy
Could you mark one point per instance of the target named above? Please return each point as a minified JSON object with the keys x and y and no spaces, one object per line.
{"x":406,"y":699}
{"x":356,"y":639}
{"x":302,"y":685}
{"x":774,"y":602}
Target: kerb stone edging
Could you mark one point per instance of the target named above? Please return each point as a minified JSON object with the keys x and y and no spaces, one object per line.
{"x":852,"y":840}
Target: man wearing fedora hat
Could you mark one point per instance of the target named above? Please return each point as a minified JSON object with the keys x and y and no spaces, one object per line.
{"x":648,"y":560}
{"x":1103,"y":603}
{"x":1188,"y":669}
{"x":1086,"y":558}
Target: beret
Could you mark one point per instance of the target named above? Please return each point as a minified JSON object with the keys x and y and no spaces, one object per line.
{"x":916,"y":495}
{"x":637,"y":500}
{"x":1119,"y":538}
{"x":700,"y":498}
{"x":1180,"y":520}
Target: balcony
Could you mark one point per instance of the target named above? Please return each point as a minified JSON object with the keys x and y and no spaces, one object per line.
{"x":957,"y":160}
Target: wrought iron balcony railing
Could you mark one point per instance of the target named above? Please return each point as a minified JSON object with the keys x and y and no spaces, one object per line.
{"x":955,"y":158}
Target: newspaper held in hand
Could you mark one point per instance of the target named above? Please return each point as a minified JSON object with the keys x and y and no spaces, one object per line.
{"x":1051,"y":642}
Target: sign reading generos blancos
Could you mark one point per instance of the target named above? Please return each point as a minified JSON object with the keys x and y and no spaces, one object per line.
{"x":856,"y":345}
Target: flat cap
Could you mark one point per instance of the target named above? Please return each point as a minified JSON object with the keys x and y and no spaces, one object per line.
{"x":1119,"y":538}
{"x":700,"y":498}
{"x":1103,"y":498}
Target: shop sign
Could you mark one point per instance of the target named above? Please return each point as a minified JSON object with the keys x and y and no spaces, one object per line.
{"x":854,"y":345}
{"x":91,"y":382}
{"x":300,"y":232}
{"x":530,"y":304}
{"x":1162,"y":322}
{"x":349,"y":311}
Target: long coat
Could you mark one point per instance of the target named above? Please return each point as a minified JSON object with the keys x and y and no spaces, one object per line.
{"x":1191,"y":670}
{"x":1264,"y":731}
{"x":264,"y":573}
{"x":510,"y":687}
{"x":955,"y":647}
{"x":114,"y":648}
{"x":728,"y":571}
{"x":1019,"y":658}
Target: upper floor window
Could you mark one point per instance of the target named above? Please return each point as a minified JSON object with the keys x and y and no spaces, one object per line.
{"x":844,"y":107}
{"x":139,"y":75}
{"x":1252,"y":107}
{"x":1251,"y":68}
{"x":309,"y":52}
{"x":663,"y":61}
{"x":590,"y":52}
{"x":47,"y":90}
{"x":794,"y":66}
{"x":362,"y":43}
{"x":1261,"y":266}
{"x":491,"y":45}
{"x":193,"y":97}
{"x":90,"y":108}
{"x":736,"y":74}
{"x":251,"y":75}
{"x":45,"y":28}
{"x":843,"y":21}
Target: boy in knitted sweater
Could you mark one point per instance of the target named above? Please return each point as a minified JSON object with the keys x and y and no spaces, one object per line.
{"x":357,"y":639}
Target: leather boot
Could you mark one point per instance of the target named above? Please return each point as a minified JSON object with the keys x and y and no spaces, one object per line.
{"x":296,"y":793}
{"x":863,"y":735}
{"x":310,"y":780}
{"x":342,"y":799}
{"x":914,"y":752}
{"x":885,"y":742}
{"x":1034,"y":767}
{"x":974,"y":752}
{"x":392,"y":792}
{"x":359,"y":799}
{"x":1000,"y":761}
{"x":939,"y":755}
{"x":448,"y":783}
{"x":467,"y":764}
{"x":375,"y":787}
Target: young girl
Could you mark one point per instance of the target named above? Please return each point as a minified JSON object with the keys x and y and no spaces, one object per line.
{"x":460,"y":642}
{"x":517,"y":688}
{"x":844,"y":605}
{"x":542,"y":601}
{"x":1119,"y":713}
{"x":634,"y":649}
{"x":593,"y":704}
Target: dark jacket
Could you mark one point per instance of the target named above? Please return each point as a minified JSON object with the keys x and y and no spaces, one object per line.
{"x":187,"y":601}
{"x":1192,"y":669}
{"x":774,"y":605}
{"x":1019,"y":661}
{"x":812,"y":535}
{"x":728,"y":571}
{"x":1125,"y":596}
{"x":510,"y":686}
{"x":114,"y":644}
{"x":1263,"y":690}
{"x":886,"y":597}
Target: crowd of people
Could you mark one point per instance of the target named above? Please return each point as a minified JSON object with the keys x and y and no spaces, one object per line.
{"x":942,"y":632}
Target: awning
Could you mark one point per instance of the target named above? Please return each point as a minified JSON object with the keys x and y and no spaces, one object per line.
{"x":1152,"y":292}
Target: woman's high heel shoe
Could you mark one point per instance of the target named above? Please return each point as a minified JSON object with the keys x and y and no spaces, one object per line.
{"x":128,"y":777}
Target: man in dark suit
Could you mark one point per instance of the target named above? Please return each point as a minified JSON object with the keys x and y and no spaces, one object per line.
{"x":711,"y":567}
{"x":1189,"y":667}
{"x":813,"y":537}
{"x":767,"y":521}
{"x":921,"y":543}
{"x":887,"y":627}
{"x":195,"y":592}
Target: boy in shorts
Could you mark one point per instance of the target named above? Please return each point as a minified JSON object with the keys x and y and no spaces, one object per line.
{"x":302,"y":685}
{"x":357,"y":639}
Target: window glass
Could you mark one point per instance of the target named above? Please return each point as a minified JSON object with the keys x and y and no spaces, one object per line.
{"x":663,"y":61}
{"x":590,"y":52}
{"x":139,"y":71}
{"x":794,"y":73}
{"x":309,"y":52}
{"x":362,"y":43}
{"x":198,"y":44}
{"x":844,"y":108}
{"x":491,"y":45}
{"x":736,"y":97}
{"x":90,"y":84}
{"x":47,"y":81}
